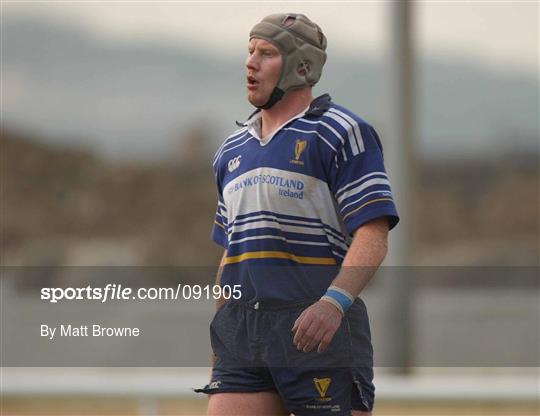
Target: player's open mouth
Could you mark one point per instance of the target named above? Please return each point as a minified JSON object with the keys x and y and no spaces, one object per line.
{"x":252,"y":82}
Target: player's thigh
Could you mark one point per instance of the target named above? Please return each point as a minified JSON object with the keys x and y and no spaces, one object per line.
{"x":264,"y":403}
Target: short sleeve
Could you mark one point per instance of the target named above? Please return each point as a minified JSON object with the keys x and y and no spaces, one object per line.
{"x":219,"y":229}
{"x":360,"y":184}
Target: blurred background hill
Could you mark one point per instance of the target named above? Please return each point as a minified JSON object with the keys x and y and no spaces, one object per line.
{"x":68,"y":206}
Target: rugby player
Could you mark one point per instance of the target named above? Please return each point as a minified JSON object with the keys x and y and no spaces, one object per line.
{"x":304,"y":210}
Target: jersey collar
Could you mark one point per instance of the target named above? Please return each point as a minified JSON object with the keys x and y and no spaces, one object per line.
{"x":317,"y":107}
{"x":254,"y":126}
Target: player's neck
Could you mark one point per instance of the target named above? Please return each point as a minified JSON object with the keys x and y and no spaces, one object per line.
{"x":292,"y":103}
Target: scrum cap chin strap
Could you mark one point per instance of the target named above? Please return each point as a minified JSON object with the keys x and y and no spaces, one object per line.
{"x":276,"y":95}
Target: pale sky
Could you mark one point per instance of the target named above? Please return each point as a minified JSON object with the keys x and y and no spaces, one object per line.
{"x":499,"y":32}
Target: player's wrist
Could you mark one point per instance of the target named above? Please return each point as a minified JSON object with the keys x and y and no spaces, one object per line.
{"x":334,"y":305}
{"x":339,"y":298}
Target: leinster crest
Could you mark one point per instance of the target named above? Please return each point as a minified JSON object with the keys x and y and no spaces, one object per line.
{"x":299,"y":147}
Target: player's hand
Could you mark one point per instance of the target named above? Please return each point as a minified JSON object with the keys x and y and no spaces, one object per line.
{"x":316,"y":325}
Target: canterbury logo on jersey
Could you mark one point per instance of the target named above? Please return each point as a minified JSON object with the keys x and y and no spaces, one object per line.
{"x":234,"y":163}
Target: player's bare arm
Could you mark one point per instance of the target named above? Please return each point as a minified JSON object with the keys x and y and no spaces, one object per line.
{"x":318,"y":323}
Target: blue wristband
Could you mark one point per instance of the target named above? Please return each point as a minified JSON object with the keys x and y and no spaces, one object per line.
{"x":339,"y":299}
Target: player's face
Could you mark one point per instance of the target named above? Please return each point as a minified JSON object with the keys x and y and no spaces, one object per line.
{"x":263,"y":67}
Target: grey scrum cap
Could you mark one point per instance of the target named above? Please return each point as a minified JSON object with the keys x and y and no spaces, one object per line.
{"x":302,"y":45}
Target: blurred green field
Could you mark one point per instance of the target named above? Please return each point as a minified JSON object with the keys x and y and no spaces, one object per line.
{"x":85,"y":406}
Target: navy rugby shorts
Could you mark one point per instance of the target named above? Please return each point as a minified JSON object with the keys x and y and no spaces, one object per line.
{"x":254,"y":349}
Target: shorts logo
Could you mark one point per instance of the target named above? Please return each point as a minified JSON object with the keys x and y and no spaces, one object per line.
{"x":321,"y":384}
{"x":299,"y":147}
{"x":214,"y":385}
{"x":234,"y":163}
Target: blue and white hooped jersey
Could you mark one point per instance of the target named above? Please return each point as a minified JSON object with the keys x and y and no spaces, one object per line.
{"x":287,"y":208}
